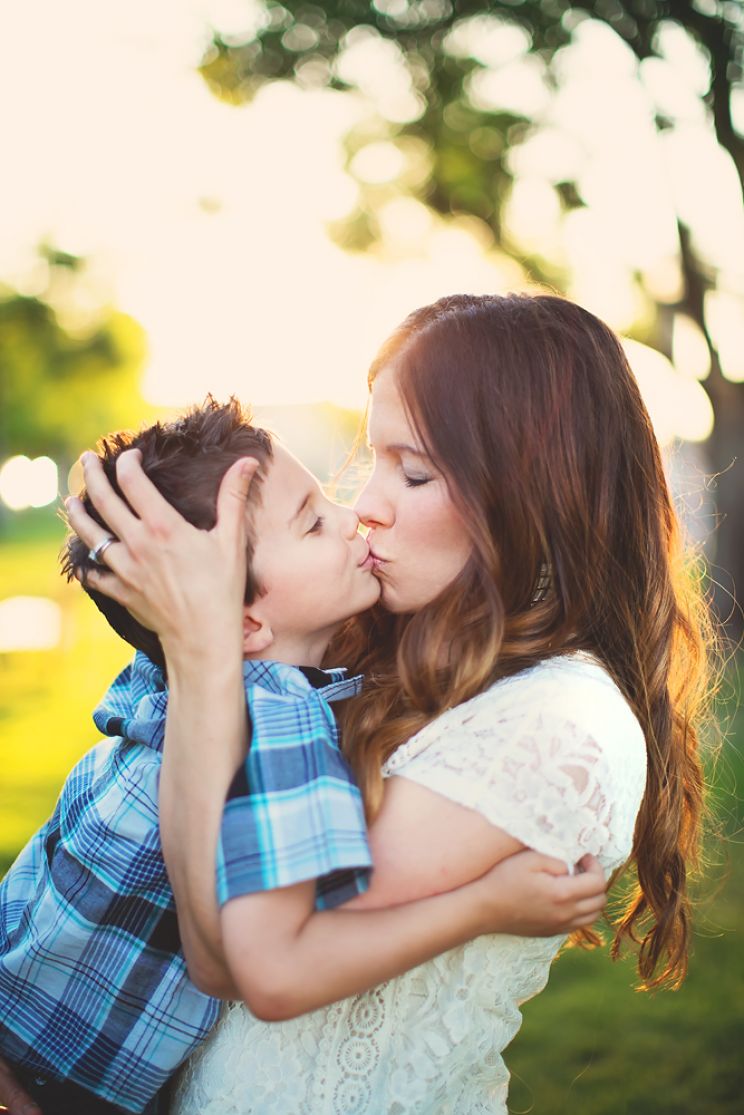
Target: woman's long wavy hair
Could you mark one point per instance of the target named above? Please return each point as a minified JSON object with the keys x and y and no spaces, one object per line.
{"x":529,"y":408}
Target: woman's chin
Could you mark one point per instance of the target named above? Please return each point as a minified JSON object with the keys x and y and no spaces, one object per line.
{"x":392,"y":601}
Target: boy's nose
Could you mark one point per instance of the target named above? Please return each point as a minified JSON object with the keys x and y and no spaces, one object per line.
{"x":349,"y":522}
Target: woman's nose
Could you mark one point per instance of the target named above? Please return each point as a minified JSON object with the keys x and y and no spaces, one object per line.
{"x":372,"y":507}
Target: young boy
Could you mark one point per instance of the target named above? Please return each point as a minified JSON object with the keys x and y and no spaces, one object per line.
{"x":96,"y":1006}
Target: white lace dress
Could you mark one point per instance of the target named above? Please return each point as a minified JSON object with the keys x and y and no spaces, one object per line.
{"x":556,"y":758}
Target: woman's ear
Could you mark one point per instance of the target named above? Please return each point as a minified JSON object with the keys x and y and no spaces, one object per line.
{"x":257,"y":635}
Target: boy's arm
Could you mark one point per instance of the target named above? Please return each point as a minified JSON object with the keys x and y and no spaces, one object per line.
{"x":287,"y":959}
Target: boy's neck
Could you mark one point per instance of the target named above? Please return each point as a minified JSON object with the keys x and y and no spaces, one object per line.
{"x":305,"y":650}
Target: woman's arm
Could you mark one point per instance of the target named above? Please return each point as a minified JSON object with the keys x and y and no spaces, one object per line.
{"x":204,"y":744}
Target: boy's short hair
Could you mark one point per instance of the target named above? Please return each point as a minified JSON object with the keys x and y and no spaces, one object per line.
{"x":185,"y":460}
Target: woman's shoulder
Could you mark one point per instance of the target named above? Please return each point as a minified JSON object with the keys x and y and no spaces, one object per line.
{"x":566,"y":698}
{"x":554,"y":756}
{"x":575,"y":685}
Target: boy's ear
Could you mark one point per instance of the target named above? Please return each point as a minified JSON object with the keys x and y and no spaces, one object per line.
{"x":257,"y":635}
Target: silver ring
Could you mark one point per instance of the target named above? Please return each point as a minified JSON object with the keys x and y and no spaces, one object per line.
{"x":96,"y":554}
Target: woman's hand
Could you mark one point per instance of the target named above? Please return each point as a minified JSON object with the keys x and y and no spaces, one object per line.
{"x":185,"y":584}
{"x":532,"y":895}
{"x":13,"y":1099}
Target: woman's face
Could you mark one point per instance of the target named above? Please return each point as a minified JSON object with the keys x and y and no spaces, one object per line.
{"x":416,"y":535}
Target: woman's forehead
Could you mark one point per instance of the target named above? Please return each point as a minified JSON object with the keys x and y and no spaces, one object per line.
{"x":387,"y":419}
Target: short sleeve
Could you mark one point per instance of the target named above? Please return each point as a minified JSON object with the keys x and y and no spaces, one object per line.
{"x":294,"y":811}
{"x":561,"y":771}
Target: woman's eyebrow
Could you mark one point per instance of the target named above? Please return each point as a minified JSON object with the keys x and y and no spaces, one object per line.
{"x":402,"y":447}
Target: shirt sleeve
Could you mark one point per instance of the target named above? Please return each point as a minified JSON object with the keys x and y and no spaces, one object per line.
{"x":558,"y":781}
{"x":294,"y":811}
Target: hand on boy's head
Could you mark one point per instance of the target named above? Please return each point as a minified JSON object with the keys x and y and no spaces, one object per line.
{"x":172,"y":577}
{"x":236,"y":484}
{"x":13,"y":1099}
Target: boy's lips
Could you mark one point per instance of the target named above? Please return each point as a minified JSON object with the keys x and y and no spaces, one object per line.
{"x":366,"y":562}
{"x":371,"y":560}
{"x":377,"y":559}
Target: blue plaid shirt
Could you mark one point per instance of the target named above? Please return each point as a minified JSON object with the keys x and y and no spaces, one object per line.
{"x":293,"y":811}
{"x":93,"y":983}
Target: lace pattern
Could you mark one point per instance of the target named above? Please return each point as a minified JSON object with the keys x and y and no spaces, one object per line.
{"x":555,"y":757}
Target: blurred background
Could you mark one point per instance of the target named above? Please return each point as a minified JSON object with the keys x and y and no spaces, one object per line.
{"x":243,"y":196}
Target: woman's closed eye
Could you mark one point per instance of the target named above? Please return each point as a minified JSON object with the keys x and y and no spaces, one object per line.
{"x":415,"y":481}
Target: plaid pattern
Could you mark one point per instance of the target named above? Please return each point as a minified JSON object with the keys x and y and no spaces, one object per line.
{"x":93,"y":984}
{"x":294,"y":811}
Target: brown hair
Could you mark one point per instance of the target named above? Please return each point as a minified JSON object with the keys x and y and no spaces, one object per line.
{"x":186,"y":460}
{"x":529,"y":408}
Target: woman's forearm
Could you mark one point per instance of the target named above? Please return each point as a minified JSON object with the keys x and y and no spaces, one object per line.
{"x":204,"y":744}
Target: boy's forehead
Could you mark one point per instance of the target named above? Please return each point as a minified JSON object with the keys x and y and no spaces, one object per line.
{"x":286,"y":487}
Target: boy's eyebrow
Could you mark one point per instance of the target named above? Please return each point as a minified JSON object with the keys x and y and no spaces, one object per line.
{"x":300,"y":509}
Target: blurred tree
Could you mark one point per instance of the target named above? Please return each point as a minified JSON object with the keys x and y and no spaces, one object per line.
{"x":455,"y":150}
{"x":69,"y":367}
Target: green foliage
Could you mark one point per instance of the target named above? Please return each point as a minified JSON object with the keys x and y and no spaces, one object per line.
{"x":306,"y":43}
{"x":66,"y":375}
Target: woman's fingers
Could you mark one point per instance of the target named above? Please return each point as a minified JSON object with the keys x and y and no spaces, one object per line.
{"x":112,"y":509}
{"x":232,"y":496}
{"x":85,"y":527}
{"x":108,"y":583}
{"x":115,"y":558}
{"x":151,"y":507}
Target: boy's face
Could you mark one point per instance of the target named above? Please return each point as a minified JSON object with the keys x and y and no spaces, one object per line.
{"x":310,"y":561}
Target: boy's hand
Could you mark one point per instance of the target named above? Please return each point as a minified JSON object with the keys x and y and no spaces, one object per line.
{"x":13,"y":1099}
{"x":532,"y":895}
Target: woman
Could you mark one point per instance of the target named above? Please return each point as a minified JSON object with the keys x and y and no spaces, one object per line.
{"x":535,"y":683}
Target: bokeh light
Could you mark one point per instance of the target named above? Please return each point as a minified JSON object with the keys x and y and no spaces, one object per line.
{"x":29,"y":623}
{"x":26,"y":482}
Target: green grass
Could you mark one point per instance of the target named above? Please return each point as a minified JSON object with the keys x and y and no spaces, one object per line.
{"x":590,"y":1045}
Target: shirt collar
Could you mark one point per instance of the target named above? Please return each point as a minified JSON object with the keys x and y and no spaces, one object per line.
{"x":136,"y":703}
{"x":278,"y":677}
{"x":134,"y":706}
